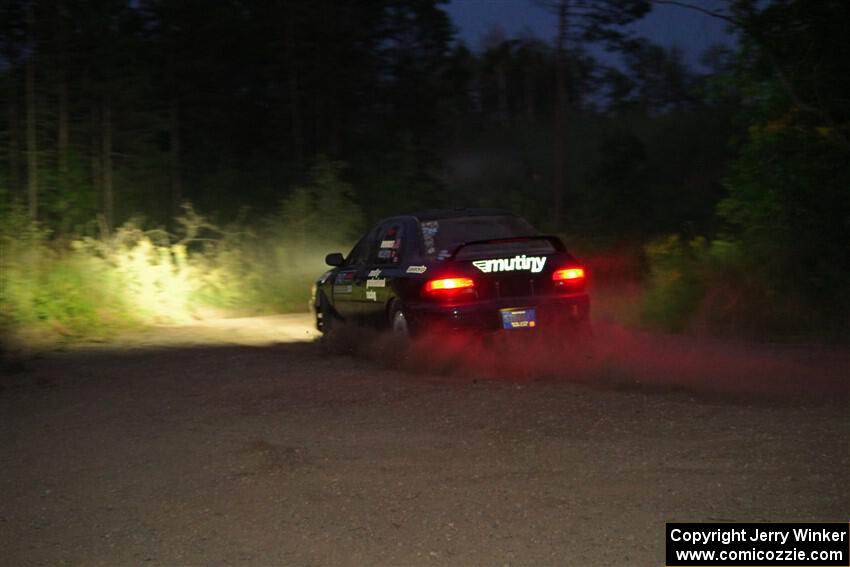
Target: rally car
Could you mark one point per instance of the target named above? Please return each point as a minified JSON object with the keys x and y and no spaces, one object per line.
{"x":483,"y":270}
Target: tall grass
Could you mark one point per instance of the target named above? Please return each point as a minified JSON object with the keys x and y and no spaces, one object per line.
{"x":91,"y":287}
{"x":73,"y":286}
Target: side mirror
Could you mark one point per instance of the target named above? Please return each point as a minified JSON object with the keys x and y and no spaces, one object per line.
{"x":334,"y":259}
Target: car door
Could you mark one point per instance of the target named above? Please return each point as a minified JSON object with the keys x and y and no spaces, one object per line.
{"x":344,"y":296}
{"x":383,"y":269}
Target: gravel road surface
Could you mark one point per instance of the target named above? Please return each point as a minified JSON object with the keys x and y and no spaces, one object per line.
{"x":249,"y":442}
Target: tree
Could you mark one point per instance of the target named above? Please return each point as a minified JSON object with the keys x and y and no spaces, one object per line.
{"x":323,"y":211}
{"x":12,"y":43}
{"x":584,"y":20}
{"x":786,"y":197}
{"x":656,"y":79}
{"x":32,"y":143}
{"x":802,"y":45}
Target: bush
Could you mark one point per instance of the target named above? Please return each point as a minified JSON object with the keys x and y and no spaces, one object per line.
{"x":719,"y":288}
{"x":91,"y":286}
{"x":65,"y":291}
{"x":675,"y":287}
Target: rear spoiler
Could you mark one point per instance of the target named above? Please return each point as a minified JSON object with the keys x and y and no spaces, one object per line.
{"x":554,"y":240}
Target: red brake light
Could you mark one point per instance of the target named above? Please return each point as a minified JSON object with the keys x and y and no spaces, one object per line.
{"x":448,"y":284}
{"x":568,"y":274}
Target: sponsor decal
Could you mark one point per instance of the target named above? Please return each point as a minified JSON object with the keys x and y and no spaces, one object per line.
{"x":416,"y":269}
{"x":372,"y":295}
{"x":342,"y":283}
{"x":375,"y":273}
{"x":429,"y":231}
{"x":376,"y":283}
{"x":533,"y":264}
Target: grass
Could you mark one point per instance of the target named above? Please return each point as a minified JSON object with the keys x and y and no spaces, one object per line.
{"x":90,"y":288}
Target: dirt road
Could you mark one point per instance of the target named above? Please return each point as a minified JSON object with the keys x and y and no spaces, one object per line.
{"x":245,"y":442}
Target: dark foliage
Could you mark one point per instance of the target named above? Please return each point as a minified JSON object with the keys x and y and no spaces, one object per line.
{"x":117,"y":108}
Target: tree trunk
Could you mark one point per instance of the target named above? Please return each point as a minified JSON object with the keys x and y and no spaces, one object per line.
{"x":175,"y":153}
{"x":530,"y":90}
{"x":96,"y":164}
{"x":560,"y":110}
{"x":502,"y":84}
{"x":62,"y":137}
{"x":292,"y":70}
{"x":14,"y":142}
{"x":32,"y":149}
{"x":332,"y":104}
{"x":106,"y":160}
{"x":334,"y":126}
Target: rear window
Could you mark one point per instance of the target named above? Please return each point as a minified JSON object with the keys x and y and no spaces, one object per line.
{"x":442,"y":237}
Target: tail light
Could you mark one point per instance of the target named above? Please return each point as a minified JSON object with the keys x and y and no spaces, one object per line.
{"x":572,"y":278}
{"x":448,"y":287}
{"x":565,"y":274}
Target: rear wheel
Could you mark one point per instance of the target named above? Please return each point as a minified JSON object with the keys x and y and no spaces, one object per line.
{"x":577,"y":339}
{"x":581,"y":329}
{"x":398,"y":321}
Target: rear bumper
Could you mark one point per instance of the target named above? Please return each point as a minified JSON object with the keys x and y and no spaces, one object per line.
{"x":553,"y":312}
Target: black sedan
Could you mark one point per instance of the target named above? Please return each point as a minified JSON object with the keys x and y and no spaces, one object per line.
{"x":484,"y":270}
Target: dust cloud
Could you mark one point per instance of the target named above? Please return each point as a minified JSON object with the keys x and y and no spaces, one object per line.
{"x":614,"y":356}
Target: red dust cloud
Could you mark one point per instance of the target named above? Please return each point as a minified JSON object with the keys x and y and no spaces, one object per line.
{"x":617,"y":357}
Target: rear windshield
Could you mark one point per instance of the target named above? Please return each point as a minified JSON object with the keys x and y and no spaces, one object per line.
{"x":442,"y":237}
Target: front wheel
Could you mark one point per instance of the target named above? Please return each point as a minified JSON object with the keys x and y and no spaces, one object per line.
{"x":324,"y":316}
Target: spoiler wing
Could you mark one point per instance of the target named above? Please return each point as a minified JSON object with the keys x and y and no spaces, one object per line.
{"x":554,"y":240}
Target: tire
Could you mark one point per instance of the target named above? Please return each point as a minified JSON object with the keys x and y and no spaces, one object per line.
{"x":324,"y":316}
{"x":582,"y":330}
{"x":577,"y":337}
{"x":399,"y":325}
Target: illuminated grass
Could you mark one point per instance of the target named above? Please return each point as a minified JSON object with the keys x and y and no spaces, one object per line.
{"x":93,"y":287}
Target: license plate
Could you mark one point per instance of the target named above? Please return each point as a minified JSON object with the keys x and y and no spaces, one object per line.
{"x":518,"y":318}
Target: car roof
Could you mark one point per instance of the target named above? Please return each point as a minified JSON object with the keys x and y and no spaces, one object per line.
{"x":437,"y":214}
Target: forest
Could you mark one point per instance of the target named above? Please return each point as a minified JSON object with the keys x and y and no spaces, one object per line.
{"x":161,"y":160}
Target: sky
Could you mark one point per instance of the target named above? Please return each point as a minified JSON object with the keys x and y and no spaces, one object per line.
{"x":665,"y":25}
